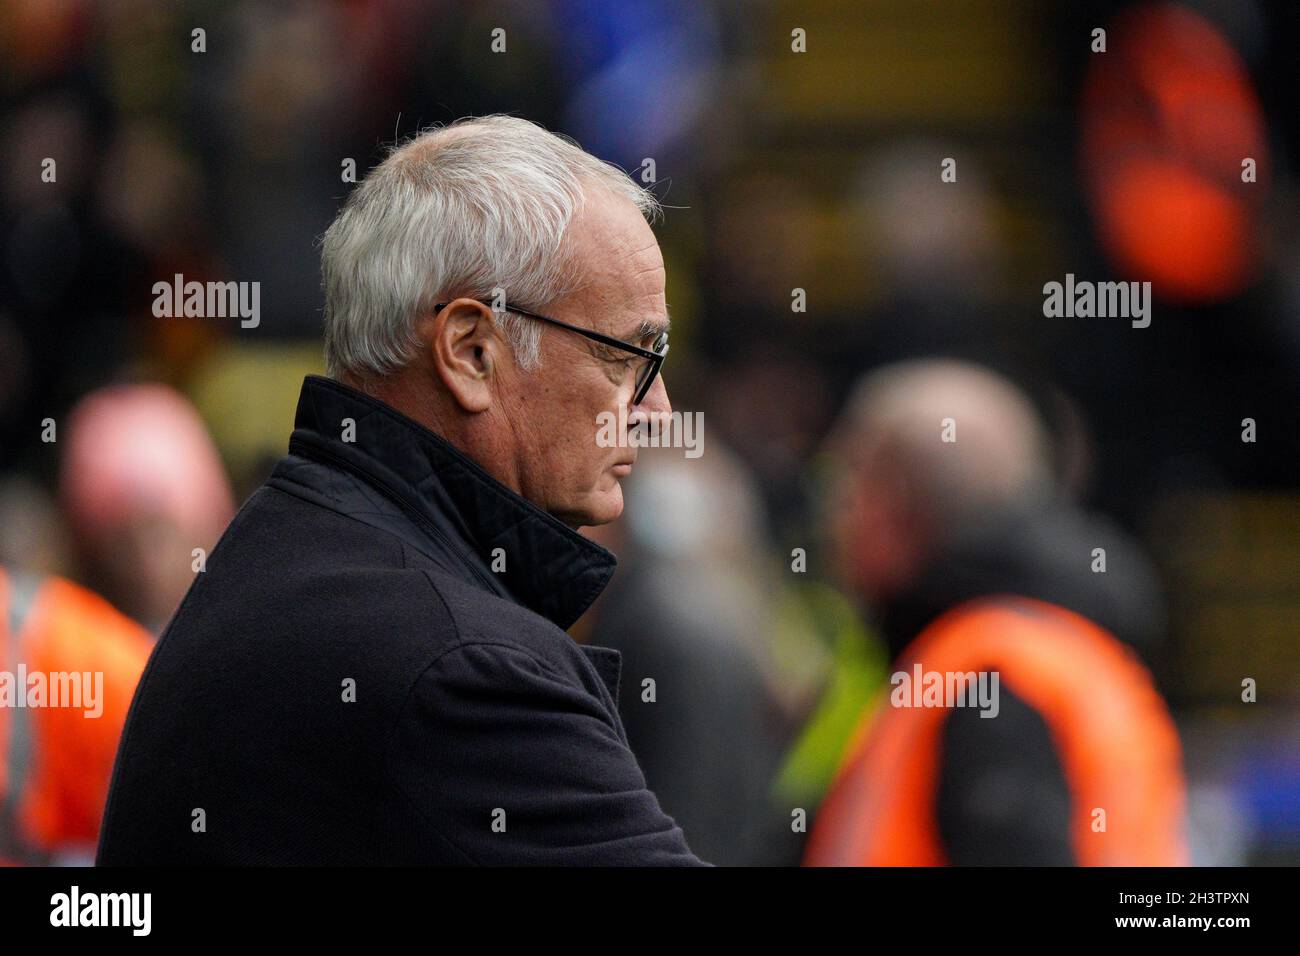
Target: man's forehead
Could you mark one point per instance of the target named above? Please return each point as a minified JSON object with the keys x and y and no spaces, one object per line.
{"x":635,"y":269}
{"x":621,"y":268}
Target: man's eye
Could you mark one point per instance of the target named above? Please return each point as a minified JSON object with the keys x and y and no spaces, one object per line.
{"x":617,"y":360}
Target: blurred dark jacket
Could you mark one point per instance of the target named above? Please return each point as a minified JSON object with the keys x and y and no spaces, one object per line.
{"x":1040,"y":550}
{"x":710,"y":740}
{"x":349,"y":682}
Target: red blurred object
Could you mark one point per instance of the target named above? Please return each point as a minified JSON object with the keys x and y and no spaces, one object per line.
{"x":1169,"y":115}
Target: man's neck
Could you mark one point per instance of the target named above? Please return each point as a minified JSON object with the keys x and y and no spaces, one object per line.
{"x":413,"y":396}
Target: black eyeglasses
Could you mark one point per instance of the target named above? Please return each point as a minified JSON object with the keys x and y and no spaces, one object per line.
{"x":645,"y":376}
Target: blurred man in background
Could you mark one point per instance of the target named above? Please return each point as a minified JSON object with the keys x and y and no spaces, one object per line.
{"x":695,"y":612}
{"x":946,"y":522}
{"x":145,"y":495}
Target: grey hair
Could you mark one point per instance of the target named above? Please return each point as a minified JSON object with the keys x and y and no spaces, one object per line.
{"x":1003,"y":455}
{"x":480,"y":205}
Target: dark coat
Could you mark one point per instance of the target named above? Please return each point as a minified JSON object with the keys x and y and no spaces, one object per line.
{"x":349,"y":682}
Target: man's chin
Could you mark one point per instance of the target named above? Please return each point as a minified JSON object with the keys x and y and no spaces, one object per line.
{"x":601,"y":507}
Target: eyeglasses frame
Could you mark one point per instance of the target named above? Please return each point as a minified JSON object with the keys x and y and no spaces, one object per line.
{"x":656,"y":358}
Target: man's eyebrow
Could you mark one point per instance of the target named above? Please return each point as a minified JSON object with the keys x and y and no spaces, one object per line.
{"x":648,"y":328}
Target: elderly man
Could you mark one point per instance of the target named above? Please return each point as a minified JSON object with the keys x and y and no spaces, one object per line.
{"x":373,"y":668}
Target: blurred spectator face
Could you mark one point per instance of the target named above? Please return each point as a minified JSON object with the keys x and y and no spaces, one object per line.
{"x":927,"y":240}
{"x":293,"y":70}
{"x":149,"y":190}
{"x":143,"y":488}
{"x":875,"y":533}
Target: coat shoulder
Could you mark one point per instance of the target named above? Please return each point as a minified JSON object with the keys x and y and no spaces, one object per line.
{"x":484,"y":619}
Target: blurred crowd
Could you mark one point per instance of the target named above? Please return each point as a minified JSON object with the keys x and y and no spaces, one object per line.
{"x":834,"y":298}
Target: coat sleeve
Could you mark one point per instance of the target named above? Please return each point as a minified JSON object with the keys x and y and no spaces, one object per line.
{"x":514,"y":764}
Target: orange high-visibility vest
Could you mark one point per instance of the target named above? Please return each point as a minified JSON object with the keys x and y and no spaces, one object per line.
{"x":1116,"y":741}
{"x":55,"y":762}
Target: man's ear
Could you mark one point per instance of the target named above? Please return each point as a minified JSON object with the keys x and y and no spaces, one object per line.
{"x":465,"y":352}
